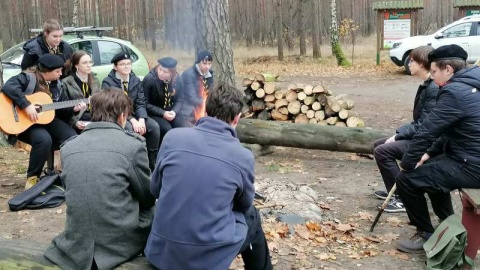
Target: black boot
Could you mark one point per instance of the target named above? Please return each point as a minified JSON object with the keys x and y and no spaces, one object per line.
{"x":152,"y":159}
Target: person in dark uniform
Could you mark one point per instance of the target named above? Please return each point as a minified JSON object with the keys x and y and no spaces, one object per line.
{"x":164,"y":95}
{"x":110,"y":207}
{"x":80,"y":84}
{"x":456,"y":118}
{"x":122,"y":77}
{"x":48,"y":42}
{"x":40,"y":137}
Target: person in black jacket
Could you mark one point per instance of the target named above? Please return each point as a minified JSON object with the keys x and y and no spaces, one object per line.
{"x":164,"y":95}
{"x":48,"y":42}
{"x":388,"y":150}
{"x":122,"y":77}
{"x":40,"y":136}
{"x":456,"y":117}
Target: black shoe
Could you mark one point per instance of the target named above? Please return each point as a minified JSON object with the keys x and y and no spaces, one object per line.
{"x":394,"y":206}
{"x":381,"y":194}
{"x":414,"y":244}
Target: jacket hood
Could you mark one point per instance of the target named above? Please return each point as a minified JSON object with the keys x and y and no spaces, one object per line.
{"x":470,"y":76}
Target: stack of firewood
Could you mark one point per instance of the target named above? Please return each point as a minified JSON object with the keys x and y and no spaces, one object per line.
{"x":298,"y":103}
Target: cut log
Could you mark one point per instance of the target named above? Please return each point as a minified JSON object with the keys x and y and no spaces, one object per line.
{"x":318,"y":89}
{"x":322,"y":123}
{"x":304,"y":108}
{"x":328,"y":111}
{"x":279,"y":116}
{"x":263,"y":115}
{"x":332,"y":120}
{"x":259,"y":78}
{"x":316,"y":106}
{"x":309,"y":100}
{"x":257,"y":105}
{"x":333,"y":104}
{"x":311,"y":114}
{"x":350,"y":104}
{"x":255,"y":86}
{"x":247,"y":81}
{"x":269,"y":77}
{"x":294,"y":107}
{"x":355,"y":122}
{"x":280,"y":94}
{"x":269,"y":105}
{"x":300,"y":86}
{"x":292,"y":86}
{"x":322,"y":99}
{"x":301,"y":95}
{"x":340,"y":97}
{"x":269,"y":88}
{"x":291,"y":96}
{"x":340,"y":124}
{"x":269,"y":98}
{"x":312,"y":121}
{"x":283,"y":110}
{"x":260,"y":93}
{"x":281,"y":103}
{"x":319,"y":115}
{"x":331,"y":138}
{"x":301,"y":119}
{"x":308,"y":89}
{"x":344,"y":114}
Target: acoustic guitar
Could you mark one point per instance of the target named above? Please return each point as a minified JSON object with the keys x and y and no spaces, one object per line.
{"x":14,"y":120}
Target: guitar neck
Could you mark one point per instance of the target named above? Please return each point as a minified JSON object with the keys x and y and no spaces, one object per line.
{"x":63,"y":104}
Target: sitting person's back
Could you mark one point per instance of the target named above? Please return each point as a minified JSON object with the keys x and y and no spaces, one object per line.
{"x":105,"y":170}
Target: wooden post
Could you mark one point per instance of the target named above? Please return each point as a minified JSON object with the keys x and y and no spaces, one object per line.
{"x":379,"y":34}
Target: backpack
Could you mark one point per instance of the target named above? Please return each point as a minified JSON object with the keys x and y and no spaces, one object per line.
{"x":445,"y":249}
{"x":47,"y":193}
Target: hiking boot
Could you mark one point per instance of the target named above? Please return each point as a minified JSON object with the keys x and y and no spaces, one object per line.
{"x":381,"y":194}
{"x":395,"y":205}
{"x":31,"y":181}
{"x":414,"y":244}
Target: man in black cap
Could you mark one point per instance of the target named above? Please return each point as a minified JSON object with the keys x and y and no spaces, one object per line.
{"x":122,"y":77}
{"x":449,"y":134}
{"x":197,"y":81}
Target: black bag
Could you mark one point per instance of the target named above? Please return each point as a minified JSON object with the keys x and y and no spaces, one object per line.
{"x":47,"y":193}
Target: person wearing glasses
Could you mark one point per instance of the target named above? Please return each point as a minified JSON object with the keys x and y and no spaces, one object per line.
{"x":388,"y":150}
{"x":122,"y":77}
{"x":80,"y":84}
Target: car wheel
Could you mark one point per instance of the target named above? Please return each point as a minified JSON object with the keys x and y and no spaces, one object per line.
{"x":405,"y":64}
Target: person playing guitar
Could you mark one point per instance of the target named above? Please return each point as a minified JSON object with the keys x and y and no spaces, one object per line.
{"x":41,"y":137}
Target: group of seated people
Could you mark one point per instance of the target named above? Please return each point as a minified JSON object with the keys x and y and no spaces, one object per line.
{"x":195,"y":211}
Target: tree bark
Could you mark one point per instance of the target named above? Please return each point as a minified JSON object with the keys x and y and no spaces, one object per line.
{"x":336,"y":48}
{"x":303,"y":38}
{"x":315,"y":31}
{"x":213,"y":34}
{"x":355,"y":140}
{"x":278,"y":28}
{"x":75,"y":13}
{"x":152,"y":24}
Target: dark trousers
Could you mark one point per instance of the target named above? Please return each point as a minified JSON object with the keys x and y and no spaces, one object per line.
{"x":386,"y":156}
{"x":436,"y":178}
{"x":42,"y":138}
{"x":152,"y":136}
{"x":255,"y":253}
{"x":166,"y":126}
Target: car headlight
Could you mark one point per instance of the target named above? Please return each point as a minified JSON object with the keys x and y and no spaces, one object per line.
{"x":397,"y":44}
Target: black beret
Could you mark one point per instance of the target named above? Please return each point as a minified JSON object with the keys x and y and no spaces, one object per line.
{"x":447,"y":52}
{"x":167,"y":62}
{"x":51,"y":61}
{"x":204,"y":56}
{"x":119,"y":57}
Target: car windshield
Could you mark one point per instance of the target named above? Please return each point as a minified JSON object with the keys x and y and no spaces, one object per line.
{"x":13,"y":56}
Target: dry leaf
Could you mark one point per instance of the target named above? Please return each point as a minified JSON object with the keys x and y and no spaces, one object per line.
{"x":312,"y":226}
{"x":354,"y":157}
{"x":365,"y":216}
{"x":324,"y":206}
{"x":302,"y":231}
{"x":344,"y":227}
{"x":389,"y":237}
{"x":325,"y":256}
{"x":355,"y":256}
{"x":375,"y":240}
{"x":394,"y":221}
{"x":321,"y":239}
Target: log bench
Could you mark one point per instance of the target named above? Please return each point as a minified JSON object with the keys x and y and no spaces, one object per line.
{"x":22,"y":254}
{"x":471,"y":220}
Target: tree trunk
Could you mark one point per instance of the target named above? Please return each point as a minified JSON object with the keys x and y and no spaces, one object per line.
{"x":336,"y":48}
{"x":308,"y":136}
{"x":75,"y":13}
{"x":152,"y":24}
{"x":213,"y":34}
{"x":315,"y":31}
{"x":303,"y":38}
{"x":144,"y":21}
{"x":279,"y":27}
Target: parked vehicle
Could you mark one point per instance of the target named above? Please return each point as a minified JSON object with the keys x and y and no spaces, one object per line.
{"x":102,"y":49}
{"x":464,"y":32}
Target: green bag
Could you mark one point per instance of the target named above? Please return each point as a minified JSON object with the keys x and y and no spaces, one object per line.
{"x":445,"y":248}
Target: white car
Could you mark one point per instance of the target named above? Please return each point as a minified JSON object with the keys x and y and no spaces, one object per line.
{"x":464,"y":32}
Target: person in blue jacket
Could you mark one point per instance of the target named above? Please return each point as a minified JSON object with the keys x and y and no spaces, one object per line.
{"x":203,"y":181}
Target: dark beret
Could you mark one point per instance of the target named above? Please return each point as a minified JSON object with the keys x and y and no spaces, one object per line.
{"x":204,"y":56}
{"x":51,"y":61}
{"x":119,"y":57}
{"x":447,"y":52}
{"x":167,"y":62}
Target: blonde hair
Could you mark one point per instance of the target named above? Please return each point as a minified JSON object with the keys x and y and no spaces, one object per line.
{"x":477,"y":63}
{"x":51,"y":25}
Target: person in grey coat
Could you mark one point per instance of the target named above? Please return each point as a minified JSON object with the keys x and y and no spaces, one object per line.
{"x":204,"y":184}
{"x":109,"y":205}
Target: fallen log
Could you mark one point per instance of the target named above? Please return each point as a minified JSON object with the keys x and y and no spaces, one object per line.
{"x":343,"y":139}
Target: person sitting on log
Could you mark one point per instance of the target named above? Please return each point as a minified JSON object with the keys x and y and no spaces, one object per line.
{"x":456,"y":117}
{"x":122,"y":77}
{"x":164,"y":95}
{"x":197,"y":81}
{"x":388,"y":150}
{"x":204,"y":180}
{"x":106,"y":174}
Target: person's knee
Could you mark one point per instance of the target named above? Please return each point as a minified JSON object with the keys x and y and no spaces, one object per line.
{"x":43,"y":140}
{"x":379,"y":152}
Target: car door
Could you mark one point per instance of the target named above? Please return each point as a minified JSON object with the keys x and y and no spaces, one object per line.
{"x":475,"y":43}
{"x":458,"y":34}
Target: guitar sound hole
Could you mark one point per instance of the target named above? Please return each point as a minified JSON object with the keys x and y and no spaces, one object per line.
{"x":39,"y":108}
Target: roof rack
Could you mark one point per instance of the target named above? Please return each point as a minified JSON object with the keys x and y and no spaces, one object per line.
{"x":80,"y":30}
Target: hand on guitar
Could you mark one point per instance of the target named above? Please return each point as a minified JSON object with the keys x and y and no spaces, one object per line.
{"x":80,"y":106}
{"x":32,"y":113}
